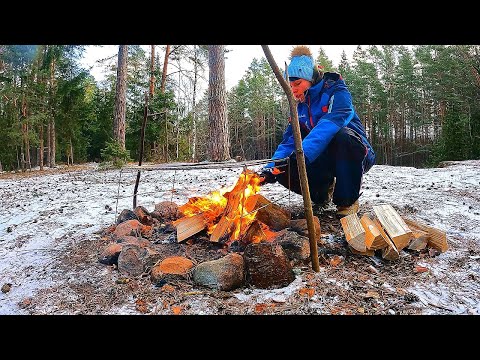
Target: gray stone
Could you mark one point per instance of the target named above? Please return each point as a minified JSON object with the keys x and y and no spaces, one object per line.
{"x":224,"y":274}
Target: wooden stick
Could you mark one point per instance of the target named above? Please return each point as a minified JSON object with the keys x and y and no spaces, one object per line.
{"x":140,"y":155}
{"x":302,"y":169}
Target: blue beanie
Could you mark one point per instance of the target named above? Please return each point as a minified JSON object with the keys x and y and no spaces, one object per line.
{"x":301,"y":67}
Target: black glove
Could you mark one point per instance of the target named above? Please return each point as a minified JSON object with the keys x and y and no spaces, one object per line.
{"x":268,"y":177}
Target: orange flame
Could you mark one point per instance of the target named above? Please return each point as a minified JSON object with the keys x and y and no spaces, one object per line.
{"x":229,"y":202}
{"x":250,"y":182}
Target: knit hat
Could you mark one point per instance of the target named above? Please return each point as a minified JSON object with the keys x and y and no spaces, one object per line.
{"x":301,"y":65}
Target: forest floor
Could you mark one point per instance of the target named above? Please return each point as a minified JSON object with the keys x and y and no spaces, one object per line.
{"x":51,"y":235}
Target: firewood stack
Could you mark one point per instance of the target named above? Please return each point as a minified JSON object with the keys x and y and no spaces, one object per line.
{"x":389,"y":233}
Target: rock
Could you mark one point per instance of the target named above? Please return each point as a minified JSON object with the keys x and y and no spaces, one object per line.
{"x":224,"y":274}
{"x":134,"y":260}
{"x":166,"y":211}
{"x":124,"y":240}
{"x":143,"y":215}
{"x":300,"y":227}
{"x":171,"y":268}
{"x":110,"y":254}
{"x":267,"y":266}
{"x":296,"y":247}
{"x":132,"y":227}
{"x":126,"y":215}
{"x":6,"y":288}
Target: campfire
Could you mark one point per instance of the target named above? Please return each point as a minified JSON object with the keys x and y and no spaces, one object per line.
{"x":237,"y":214}
{"x":258,"y":242}
{"x":235,"y":237}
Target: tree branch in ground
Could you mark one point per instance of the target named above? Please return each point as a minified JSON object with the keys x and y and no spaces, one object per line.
{"x":302,"y":169}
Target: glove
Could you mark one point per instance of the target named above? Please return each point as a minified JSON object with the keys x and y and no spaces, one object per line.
{"x":268,"y":177}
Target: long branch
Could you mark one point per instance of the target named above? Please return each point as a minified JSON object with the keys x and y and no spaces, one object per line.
{"x":302,"y":169}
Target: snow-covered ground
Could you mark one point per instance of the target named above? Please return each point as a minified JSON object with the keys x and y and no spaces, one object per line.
{"x":42,"y":217}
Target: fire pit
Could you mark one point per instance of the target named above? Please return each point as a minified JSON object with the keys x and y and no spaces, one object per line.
{"x":249,"y":240}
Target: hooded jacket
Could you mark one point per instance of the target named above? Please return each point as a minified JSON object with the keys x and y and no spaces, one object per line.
{"x":327,"y":108}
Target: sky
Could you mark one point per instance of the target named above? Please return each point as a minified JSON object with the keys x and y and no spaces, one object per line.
{"x":237,"y":60}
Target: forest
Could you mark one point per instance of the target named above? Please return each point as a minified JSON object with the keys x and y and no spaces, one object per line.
{"x":420,"y":105}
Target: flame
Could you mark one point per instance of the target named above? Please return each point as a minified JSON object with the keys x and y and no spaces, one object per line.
{"x":249,"y":182}
{"x":266,"y":234}
{"x":232,"y":203}
{"x":212,"y":206}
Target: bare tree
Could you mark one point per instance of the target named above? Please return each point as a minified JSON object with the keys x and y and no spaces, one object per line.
{"x":152,"y":74}
{"x":219,"y":144}
{"x":120,"y":96}
{"x":194,"y":122}
{"x":164,"y":72}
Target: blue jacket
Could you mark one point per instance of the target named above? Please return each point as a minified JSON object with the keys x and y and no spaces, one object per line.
{"x":327,"y":108}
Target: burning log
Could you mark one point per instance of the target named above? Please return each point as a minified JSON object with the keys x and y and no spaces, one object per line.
{"x":229,"y":216}
{"x":272,"y":215}
{"x":236,"y":216}
{"x":254,"y":233}
{"x":188,"y":226}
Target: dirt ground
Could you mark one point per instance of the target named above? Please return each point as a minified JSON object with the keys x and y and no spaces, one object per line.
{"x":68,"y":279}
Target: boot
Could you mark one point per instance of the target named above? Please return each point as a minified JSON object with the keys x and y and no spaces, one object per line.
{"x":348,"y":210}
{"x":331,"y":189}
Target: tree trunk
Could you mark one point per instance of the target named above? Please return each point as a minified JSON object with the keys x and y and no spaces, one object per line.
{"x":41,"y":147}
{"x":27,"y":148}
{"x":120,"y":97}
{"x":49,"y":145}
{"x":52,"y":147}
{"x":178,"y":140}
{"x":26,"y":135}
{"x":152,"y":68}
{"x":164,"y":71}
{"x":71,"y":150}
{"x":219,"y":144}
{"x":194,"y":122}
{"x":166,"y":136}
{"x":18,"y":157}
{"x":22,"y":148}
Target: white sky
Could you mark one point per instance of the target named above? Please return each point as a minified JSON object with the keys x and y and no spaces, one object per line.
{"x":238,"y":59}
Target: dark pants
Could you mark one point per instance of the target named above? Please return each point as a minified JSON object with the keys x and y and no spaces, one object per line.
{"x":345,"y":159}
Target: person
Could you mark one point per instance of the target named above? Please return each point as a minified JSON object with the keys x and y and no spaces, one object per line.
{"x":337,"y":152}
